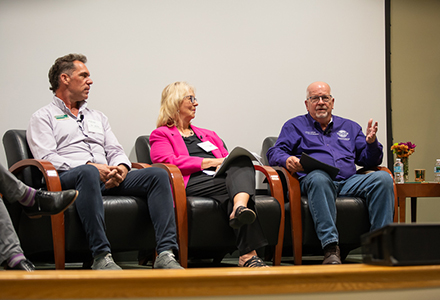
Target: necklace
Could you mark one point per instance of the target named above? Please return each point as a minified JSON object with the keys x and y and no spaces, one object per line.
{"x":191,"y":133}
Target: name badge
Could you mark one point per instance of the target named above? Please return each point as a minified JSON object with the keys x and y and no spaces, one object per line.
{"x":61,"y":117}
{"x":207,"y":146}
{"x":95,"y":126}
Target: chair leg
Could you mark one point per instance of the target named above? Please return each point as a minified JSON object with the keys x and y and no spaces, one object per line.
{"x":294,"y":196}
{"x":278,"y":254}
{"x":297,"y":252}
{"x":59,"y":241}
{"x":183,"y":246}
{"x":296,"y":227}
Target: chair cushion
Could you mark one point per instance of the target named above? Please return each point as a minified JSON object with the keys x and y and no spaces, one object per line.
{"x":351,"y":220}
{"x":209,"y":230}
{"x":128,"y":228}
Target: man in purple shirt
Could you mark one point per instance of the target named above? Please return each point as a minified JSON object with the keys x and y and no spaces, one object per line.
{"x":341,"y":143}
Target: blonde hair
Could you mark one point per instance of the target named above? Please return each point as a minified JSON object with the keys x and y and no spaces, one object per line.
{"x":172,"y":97}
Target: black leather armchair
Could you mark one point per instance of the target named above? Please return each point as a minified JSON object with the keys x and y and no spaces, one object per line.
{"x":352,"y":220}
{"x":60,"y":238}
{"x":203,"y":228}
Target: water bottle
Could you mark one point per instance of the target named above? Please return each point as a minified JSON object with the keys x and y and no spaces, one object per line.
{"x":437,"y":171}
{"x":398,"y":171}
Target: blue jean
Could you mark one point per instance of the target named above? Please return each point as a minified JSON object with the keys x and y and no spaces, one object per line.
{"x":376,"y":188}
{"x":152,"y":184}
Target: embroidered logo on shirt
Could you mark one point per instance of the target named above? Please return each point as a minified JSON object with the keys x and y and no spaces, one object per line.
{"x":343,"y":135}
{"x":312,"y":133}
{"x":61,"y":117}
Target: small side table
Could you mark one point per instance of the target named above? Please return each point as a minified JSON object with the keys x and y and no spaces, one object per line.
{"x":414,"y":190}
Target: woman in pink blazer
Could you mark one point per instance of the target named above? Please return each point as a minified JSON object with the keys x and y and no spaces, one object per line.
{"x":197,"y":153}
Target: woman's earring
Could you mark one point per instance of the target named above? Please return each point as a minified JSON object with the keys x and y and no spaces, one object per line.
{"x":178,"y":111}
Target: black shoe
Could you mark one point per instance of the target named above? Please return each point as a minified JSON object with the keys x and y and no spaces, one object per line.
{"x":50,"y":203}
{"x":24,"y":265}
{"x":254,"y":262}
{"x":242,"y":216}
{"x":332,"y":255}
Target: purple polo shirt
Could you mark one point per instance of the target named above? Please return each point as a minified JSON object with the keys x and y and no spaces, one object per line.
{"x":343,"y":145}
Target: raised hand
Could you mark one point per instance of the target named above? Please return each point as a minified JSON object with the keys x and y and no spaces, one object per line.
{"x":371,"y":131}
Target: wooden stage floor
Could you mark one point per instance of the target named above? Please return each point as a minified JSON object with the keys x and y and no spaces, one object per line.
{"x":200,"y":282}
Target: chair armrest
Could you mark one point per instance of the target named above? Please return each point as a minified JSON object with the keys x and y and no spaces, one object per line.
{"x":382,"y":168}
{"x":53,"y":184}
{"x":276,"y":189}
{"x":292,"y":186}
{"x":274,"y":182}
{"x":46,"y":168}
{"x":180,"y":206}
{"x":396,"y":201}
{"x":372,"y":169}
{"x":136,"y":165}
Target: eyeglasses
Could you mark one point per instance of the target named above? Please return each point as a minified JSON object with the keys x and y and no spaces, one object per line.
{"x":191,"y":98}
{"x":324,"y":98}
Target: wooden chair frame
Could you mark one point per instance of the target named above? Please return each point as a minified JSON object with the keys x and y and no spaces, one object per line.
{"x":57,"y":221}
{"x":294,"y":198}
{"x":179,"y":194}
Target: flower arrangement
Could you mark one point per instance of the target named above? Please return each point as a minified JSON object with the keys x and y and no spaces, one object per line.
{"x":403,"y":150}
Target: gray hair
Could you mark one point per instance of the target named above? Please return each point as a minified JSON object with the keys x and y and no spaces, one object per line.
{"x":63,"y":65}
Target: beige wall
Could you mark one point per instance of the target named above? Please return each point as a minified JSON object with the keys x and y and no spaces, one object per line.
{"x":415,"y":96}
{"x":249,"y":60}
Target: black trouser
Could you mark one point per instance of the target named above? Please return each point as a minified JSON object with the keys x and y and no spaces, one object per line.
{"x":239,"y":177}
{"x":152,"y":184}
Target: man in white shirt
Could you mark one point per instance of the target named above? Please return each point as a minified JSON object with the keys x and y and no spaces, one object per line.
{"x":79,"y":142}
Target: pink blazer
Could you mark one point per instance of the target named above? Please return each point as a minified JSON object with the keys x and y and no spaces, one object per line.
{"x":167,"y":146}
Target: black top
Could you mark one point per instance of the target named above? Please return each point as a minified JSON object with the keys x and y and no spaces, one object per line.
{"x":194,"y":150}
